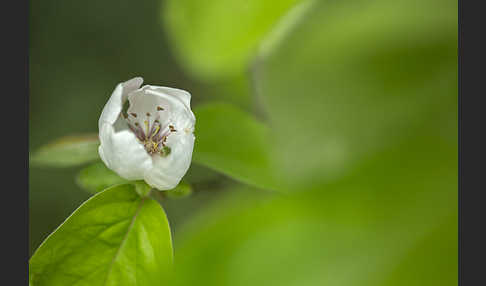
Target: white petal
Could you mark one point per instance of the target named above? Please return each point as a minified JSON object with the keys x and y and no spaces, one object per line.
{"x":179,"y":99}
{"x":175,"y":110}
{"x":168,"y":171}
{"x":142,"y":103}
{"x":122,"y":153}
{"x":114,"y":106}
{"x":180,"y":94}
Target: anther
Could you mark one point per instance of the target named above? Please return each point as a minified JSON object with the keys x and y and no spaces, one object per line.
{"x":148,"y":114}
{"x":133,"y":114}
{"x":159,"y":108}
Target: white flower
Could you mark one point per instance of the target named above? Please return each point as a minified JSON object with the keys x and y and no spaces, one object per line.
{"x":151,"y":140}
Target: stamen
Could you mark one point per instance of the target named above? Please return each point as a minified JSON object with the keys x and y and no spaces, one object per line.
{"x":152,"y":136}
{"x":137,"y":131}
{"x":157,"y":128}
{"x":159,"y":108}
{"x":147,"y":126}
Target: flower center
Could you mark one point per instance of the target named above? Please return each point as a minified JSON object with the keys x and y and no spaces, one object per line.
{"x":152,"y":135}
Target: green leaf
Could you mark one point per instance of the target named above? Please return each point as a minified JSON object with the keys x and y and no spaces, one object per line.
{"x":67,"y":151}
{"x":114,"y":238}
{"x":361,"y":97}
{"x":422,"y":266}
{"x":358,"y":232}
{"x":181,"y":191}
{"x":142,"y":188}
{"x":353,"y":78}
{"x":216,"y":38}
{"x":97,"y":177}
{"x":235,"y":143}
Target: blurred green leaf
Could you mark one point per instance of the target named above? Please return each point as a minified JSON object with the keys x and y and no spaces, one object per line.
{"x":234,"y":143}
{"x":216,"y":38}
{"x":356,"y":77}
{"x":432,"y":261}
{"x":361,"y":97}
{"x":363,"y":230}
{"x":67,"y":151}
{"x":114,"y":238}
{"x":235,"y":89}
{"x":181,"y":191}
{"x":97,"y":177}
{"x":201,"y":175}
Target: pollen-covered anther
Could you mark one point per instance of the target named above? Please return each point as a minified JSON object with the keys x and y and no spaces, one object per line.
{"x":153,"y":136}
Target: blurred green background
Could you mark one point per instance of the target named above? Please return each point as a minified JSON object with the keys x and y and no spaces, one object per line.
{"x":326,"y":134}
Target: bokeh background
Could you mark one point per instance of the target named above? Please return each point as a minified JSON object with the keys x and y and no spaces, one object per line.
{"x":326,"y":150}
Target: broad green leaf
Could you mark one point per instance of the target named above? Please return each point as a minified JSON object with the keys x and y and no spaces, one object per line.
{"x":355,"y":77}
{"x":216,"y":38}
{"x":97,"y":177}
{"x":114,"y":238}
{"x":67,"y":151}
{"x":234,"y":143}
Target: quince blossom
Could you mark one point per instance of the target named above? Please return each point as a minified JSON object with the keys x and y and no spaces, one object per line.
{"x":147,"y":133}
